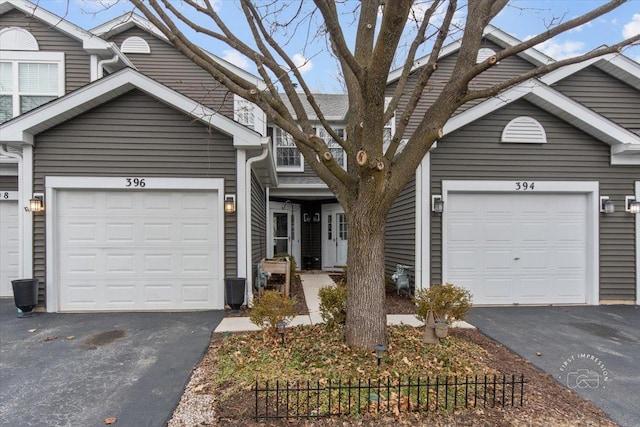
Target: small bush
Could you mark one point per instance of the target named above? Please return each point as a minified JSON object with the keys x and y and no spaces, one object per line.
{"x":333,"y":304}
{"x":272,"y":308}
{"x":294,"y":265}
{"x":449,"y":302}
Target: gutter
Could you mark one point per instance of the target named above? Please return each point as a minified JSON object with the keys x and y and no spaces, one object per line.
{"x":104,"y":62}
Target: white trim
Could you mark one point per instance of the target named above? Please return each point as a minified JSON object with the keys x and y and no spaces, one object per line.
{"x":553,"y":101}
{"x":22,"y":128}
{"x":53,"y":184}
{"x":590,"y":188}
{"x":9,"y":196}
{"x":89,"y":41}
{"x":241,"y":213}
{"x":638,"y":247}
{"x":93,"y":66}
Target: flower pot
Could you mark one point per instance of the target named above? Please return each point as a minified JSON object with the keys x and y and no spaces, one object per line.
{"x":442,"y":329}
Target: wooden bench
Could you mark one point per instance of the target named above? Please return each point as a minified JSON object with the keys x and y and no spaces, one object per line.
{"x":279,"y":266}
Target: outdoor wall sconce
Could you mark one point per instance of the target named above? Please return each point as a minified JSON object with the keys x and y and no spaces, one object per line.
{"x":229,"y":203}
{"x":631,"y":205}
{"x":37,"y":203}
{"x":437,"y":203}
{"x":381,"y":351}
{"x":316,"y":217}
{"x":306,"y":217}
{"x":606,"y":205}
{"x":280,"y":326}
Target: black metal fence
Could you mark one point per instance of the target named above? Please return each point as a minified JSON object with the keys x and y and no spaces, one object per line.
{"x":324,"y":398}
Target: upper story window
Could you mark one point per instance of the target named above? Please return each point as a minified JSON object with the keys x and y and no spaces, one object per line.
{"x":336,"y":150}
{"x":28,"y":77}
{"x":288,"y":157}
{"x":248,"y":114}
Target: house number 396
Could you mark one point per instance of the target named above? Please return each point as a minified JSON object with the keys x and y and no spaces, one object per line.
{"x":524,"y":185}
{"x":135,"y":182}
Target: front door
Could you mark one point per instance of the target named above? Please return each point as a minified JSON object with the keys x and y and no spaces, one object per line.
{"x":285,"y":229}
{"x":334,"y":237}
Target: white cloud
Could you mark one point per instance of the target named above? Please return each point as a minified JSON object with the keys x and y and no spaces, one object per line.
{"x":561,"y":50}
{"x":303,"y":64}
{"x":236,"y":58}
{"x":633,"y":27}
{"x":579,"y":28}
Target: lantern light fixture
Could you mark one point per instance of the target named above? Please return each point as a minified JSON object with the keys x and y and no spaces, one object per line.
{"x":437,"y":203}
{"x":631,"y":205}
{"x":36,"y":204}
{"x":229,"y":203}
{"x":606,"y":205}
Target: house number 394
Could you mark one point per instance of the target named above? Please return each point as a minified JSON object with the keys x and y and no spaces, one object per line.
{"x":135,"y":182}
{"x":524,"y":185}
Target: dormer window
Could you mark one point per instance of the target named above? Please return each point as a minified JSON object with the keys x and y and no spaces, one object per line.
{"x":135,"y":44}
{"x":524,"y":130}
{"x":28,"y":77}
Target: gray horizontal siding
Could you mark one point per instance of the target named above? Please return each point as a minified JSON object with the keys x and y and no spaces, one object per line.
{"x":605,"y":95}
{"x":258,"y":220}
{"x":156,"y":141}
{"x":507,"y":68}
{"x":50,"y":39}
{"x":170,"y":67}
{"x":474,"y":152}
{"x":400,"y":234}
{"x":8,"y":183}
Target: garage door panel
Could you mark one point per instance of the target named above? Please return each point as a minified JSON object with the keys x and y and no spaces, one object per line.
{"x":152,"y":250}
{"x":9,"y":252}
{"x":529,"y":246}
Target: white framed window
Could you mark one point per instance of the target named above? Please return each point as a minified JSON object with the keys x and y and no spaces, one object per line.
{"x":248,"y":114}
{"x":288,"y":157}
{"x":389,"y":127}
{"x":336,"y":150}
{"x":29,"y":79}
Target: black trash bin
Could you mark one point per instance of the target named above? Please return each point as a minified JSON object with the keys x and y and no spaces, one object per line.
{"x":25,"y":294}
{"x":234,"y":290}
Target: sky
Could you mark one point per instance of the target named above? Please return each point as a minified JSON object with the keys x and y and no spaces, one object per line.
{"x":521,"y":18}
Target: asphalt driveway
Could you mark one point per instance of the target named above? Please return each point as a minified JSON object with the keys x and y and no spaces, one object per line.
{"x":593,"y":350}
{"x":78,"y":369}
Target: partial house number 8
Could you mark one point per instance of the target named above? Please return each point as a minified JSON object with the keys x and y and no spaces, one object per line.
{"x":135,"y":182}
{"x":524,"y":185}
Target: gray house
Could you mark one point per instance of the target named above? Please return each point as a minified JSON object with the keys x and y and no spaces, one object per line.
{"x":134,"y":150}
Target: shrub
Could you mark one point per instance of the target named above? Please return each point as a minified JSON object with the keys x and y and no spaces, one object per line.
{"x":448,"y":302}
{"x":272,"y":308}
{"x":294,"y":265}
{"x":333,"y":304}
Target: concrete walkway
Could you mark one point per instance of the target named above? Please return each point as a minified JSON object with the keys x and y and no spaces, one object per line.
{"x":311,"y":285}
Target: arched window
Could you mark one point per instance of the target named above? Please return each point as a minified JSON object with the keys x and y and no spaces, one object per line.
{"x":524,"y":129}
{"x":135,"y":44}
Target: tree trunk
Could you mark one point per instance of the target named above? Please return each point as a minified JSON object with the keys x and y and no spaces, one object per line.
{"x":366,"y":317}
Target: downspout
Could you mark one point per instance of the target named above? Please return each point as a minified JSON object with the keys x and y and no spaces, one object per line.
{"x":247,"y":195}
{"x":104,"y":62}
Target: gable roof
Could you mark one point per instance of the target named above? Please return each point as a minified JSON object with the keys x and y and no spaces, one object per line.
{"x":625,"y":145}
{"x":491,"y":33}
{"x":90,"y":42}
{"x":131,"y":20}
{"x":335,"y":107}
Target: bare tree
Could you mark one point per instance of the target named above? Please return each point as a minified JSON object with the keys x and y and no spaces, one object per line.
{"x":376,"y":172}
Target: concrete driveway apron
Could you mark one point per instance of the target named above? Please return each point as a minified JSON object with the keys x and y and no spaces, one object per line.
{"x":593,"y":350}
{"x":78,"y":369}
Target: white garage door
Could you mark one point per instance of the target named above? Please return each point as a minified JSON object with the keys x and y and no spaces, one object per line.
{"x":8,"y":245}
{"x":138,"y":250}
{"x":518,"y":248}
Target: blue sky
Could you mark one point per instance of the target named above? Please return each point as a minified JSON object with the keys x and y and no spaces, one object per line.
{"x":522,"y":19}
